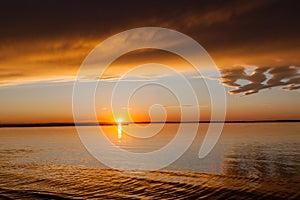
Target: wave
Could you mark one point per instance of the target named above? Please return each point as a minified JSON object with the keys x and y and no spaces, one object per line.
{"x":32,"y":181}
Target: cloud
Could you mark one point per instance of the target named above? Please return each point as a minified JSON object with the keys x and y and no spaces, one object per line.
{"x":286,"y":77}
{"x":179,"y":106}
{"x":43,"y":41}
{"x":10,"y":74}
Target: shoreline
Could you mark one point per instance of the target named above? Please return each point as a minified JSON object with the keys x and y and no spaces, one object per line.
{"x":59,"y":124}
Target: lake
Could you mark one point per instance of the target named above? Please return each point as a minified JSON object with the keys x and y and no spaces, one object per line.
{"x":250,"y":160}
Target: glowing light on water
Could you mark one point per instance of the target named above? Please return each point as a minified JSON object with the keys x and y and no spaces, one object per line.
{"x":119,"y":129}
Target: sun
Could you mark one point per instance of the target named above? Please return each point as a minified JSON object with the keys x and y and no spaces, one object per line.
{"x":119,"y":120}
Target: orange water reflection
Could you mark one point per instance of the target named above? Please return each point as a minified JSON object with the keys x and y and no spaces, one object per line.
{"x":119,"y":131}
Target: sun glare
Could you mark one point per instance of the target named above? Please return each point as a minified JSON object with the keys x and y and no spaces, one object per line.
{"x":119,"y":128}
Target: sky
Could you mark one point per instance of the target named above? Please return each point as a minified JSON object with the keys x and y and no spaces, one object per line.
{"x":254,"y":44}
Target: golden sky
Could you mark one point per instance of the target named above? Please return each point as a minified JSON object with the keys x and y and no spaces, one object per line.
{"x":255,"y":45}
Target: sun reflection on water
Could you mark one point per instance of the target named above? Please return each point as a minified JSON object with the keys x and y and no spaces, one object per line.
{"x":119,"y":130}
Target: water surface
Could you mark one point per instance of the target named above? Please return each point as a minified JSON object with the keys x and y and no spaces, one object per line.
{"x":257,"y":160}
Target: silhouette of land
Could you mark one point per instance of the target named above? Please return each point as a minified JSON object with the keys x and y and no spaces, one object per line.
{"x":57,"y":124}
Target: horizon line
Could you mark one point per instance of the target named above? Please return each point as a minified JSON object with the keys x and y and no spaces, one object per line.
{"x":57,"y":124}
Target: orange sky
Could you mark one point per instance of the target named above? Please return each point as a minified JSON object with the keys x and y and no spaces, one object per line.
{"x":255,"y":45}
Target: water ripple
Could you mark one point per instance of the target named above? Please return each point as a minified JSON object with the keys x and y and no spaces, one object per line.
{"x":79,"y":182}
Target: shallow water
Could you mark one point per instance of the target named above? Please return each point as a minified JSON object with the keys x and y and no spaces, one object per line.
{"x":253,"y":161}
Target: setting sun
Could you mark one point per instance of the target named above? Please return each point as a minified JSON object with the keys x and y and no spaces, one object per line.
{"x":150,"y":99}
{"x":119,"y":120}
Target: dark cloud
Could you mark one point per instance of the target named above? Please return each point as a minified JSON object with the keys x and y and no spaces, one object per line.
{"x":57,"y":35}
{"x":288,"y":77}
{"x":215,"y":24}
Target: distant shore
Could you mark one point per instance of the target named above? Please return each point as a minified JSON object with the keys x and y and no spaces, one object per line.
{"x":57,"y":124}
